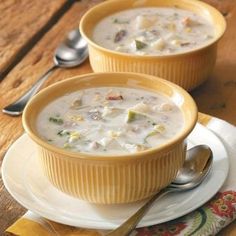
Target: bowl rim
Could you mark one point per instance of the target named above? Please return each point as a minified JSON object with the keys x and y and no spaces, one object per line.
{"x":124,"y":157}
{"x":110,"y":51}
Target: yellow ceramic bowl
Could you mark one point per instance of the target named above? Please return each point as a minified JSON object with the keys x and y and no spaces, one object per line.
{"x":112,"y":179}
{"x":188,"y":69}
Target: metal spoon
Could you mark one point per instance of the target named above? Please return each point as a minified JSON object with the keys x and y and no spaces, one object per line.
{"x":72,"y":52}
{"x":196,"y":167}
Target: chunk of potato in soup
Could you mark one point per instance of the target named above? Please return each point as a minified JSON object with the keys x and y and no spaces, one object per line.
{"x":153,"y":31}
{"x":109,"y":120}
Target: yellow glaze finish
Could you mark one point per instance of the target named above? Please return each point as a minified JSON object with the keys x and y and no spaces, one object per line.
{"x":188,"y":69}
{"x":118,"y":178}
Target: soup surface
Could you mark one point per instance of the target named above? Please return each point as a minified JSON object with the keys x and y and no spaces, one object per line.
{"x":153,"y":31}
{"x":109,"y":120}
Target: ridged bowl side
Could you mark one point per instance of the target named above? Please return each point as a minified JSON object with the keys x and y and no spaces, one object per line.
{"x":187,"y":71}
{"x":108,"y":182}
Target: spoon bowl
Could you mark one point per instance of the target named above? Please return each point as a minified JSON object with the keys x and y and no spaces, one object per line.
{"x":196,"y":167}
{"x":70,"y":53}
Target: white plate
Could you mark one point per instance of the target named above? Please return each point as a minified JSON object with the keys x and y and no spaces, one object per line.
{"x":25,"y":182}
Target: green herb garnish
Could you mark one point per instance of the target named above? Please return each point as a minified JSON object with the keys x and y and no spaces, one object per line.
{"x":134,"y":115}
{"x":56,"y":120}
{"x":140,"y":45}
{"x":62,"y":133}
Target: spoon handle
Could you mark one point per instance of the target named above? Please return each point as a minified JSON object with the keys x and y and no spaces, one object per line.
{"x":130,"y":224}
{"x":16,"y":108}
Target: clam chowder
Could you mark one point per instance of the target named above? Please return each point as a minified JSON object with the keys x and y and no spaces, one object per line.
{"x":153,"y":31}
{"x":112,"y":120}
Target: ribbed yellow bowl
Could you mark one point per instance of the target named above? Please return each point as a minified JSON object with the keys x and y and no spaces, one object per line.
{"x":188,"y":69}
{"x":118,"y":178}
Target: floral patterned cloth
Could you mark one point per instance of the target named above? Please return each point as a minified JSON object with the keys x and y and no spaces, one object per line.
{"x":205,"y":221}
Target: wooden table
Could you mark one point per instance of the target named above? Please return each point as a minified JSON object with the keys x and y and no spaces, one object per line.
{"x":29,"y":33}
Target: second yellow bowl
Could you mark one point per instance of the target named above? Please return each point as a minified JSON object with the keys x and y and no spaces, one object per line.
{"x":188,"y":69}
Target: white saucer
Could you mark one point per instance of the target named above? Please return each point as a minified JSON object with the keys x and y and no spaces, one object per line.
{"x":25,"y":182}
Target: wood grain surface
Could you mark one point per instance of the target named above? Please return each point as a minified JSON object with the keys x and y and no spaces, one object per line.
{"x":22,"y":23}
{"x":216,"y":97}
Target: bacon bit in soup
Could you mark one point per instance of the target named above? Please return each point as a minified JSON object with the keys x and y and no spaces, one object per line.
{"x":114,"y":96}
{"x":119,"y":97}
{"x":120,"y":35}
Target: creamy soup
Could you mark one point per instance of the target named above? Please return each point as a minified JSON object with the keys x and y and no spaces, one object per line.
{"x":109,"y":120}
{"x":153,"y":31}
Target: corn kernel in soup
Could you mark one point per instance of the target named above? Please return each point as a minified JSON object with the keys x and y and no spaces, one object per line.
{"x":109,"y":120}
{"x":153,"y":31}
